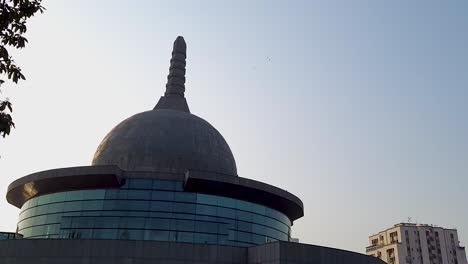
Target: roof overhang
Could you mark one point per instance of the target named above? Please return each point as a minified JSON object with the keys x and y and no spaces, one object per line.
{"x":110,"y":176}
{"x":64,"y":179}
{"x":245,"y":189}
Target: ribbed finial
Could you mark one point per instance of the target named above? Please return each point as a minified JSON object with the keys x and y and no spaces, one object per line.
{"x":173,"y":98}
{"x":176,"y":78}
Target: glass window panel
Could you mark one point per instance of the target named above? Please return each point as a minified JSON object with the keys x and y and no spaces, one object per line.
{"x":242,"y":205}
{"x":53,"y":218}
{"x":179,"y":186}
{"x":244,"y":237}
{"x":232,"y":235}
{"x":72,"y":214}
{"x":21,"y":225}
{"x":133,"y":222}
{"x":226,"y":202}
{"x":258,"y":229}
{"x":105,"y":234}
{"x":65,"y":222}
{"x":93,"y":205}
{"x":112,"y":194}
{"x":122,"y":194}
{"x":44,"y":199}
{"x":164,"y":185}
{"x":206,"y":209}
{"x":25,"y":214}
{"x":162,"y":195}
{"x":38,"y":220}
{"x":184,"y":208}
{"x":223,"y":240}
{"x":185,"y":197}
{"x":33,"y":202}
{"x":73,"y":206}
{"x":41,"y":209}
{"x":138,"y":213}
{"x":226,"y":212}
{"x":207,"y":199}
{"x":51,"y":230}
{"x":26,"y":232}
{"x":223,"y":229}
{"x":161,"y":214}
{"x":185,"y":237}
{"x":135,"y":234}
{"x":123,"y":234}
{"x":28,"y":212}
{"x":36,"y":231}
{"x":205,"y":238}
{"x":157,"y":235}
{"x":157,"y":223}
{"x":52,"y":198}
{"x":94,"y":194}
{"x":257,"y":239}
{"x":139,"y":194}
{"x":26,"y":205}
{"x":106,"y":222}
{"x":123,"y":205}
{"x":206,"y":218}
{"x":206,"y":227}
{"x":244,"y":216}
{"x":244,"y":226}
{"x":184,"y":216}
{"x":161,"y":206}
{"x":55,"y":208}
{"x":260,"y":219}
{"x":258,"y":209}
{"x":173,"y":235}
{"x":74,"y":195}
{"x":108,"y":205}
{"x":182,"y":225}
{"x":84,"y":233}
{"x":91,"y":213}
{"x":139,"y":205}
{"x":140,"y":184}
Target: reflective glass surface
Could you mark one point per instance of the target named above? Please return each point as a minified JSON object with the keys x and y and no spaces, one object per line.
{"x":151,"y":210}
{"x":8,"y":235}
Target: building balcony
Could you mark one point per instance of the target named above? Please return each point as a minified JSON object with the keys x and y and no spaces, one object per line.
{"x":380,"y":245}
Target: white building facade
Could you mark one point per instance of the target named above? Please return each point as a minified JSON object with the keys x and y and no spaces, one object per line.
{"x":409,"y":243}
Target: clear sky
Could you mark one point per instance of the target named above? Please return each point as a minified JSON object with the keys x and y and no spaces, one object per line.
{"x":357,"y":107}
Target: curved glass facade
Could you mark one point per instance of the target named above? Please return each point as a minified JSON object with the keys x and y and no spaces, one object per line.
{"x":151,"y":210}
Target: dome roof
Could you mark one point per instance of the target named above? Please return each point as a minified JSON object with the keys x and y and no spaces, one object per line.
{"x":167,"y":138}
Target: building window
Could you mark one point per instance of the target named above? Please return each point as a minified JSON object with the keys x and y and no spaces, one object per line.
{"x":394,"y":237}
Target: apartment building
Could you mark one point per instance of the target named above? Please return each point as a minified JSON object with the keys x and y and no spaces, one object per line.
{"x":409,"y":243}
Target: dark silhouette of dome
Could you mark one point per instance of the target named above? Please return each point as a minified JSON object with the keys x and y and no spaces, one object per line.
{"x":167,"y":138}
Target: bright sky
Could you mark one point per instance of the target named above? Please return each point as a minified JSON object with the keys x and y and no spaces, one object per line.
{"x":357,"y":107}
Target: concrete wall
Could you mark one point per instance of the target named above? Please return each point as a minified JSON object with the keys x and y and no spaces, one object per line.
{"x":56,"y":251}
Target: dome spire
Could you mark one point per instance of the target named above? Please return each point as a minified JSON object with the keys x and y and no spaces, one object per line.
{"x":175,"y":88}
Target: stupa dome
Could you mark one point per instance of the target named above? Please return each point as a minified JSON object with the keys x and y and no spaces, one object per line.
{"x":168,"y":138}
